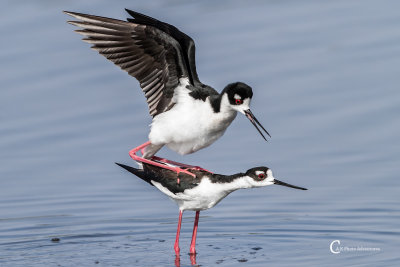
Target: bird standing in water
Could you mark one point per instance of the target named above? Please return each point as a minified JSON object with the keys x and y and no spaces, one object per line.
{"x":203,"y":191}
{"x":187,"y":114}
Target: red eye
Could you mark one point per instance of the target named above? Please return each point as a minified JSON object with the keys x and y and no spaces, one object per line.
{"x":261,"y":176}
{"x":238,"y":101}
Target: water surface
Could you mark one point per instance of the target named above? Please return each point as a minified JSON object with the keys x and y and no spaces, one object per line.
{"x":325,"y":78}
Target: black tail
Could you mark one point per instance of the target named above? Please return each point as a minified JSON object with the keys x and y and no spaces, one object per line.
{"x":138,"y":172}
{"x":163,"y":176}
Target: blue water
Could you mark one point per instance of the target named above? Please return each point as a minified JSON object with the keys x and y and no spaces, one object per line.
{"x":325,"y":77}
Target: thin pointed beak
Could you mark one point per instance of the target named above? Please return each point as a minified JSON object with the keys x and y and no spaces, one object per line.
{"x":255,"y":122}
{"x":288,"y":185}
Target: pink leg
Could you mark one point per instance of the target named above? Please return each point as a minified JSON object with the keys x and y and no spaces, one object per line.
{"x":193,"y":243}
{"x":178,"y":231}
{"x":151,"y":161}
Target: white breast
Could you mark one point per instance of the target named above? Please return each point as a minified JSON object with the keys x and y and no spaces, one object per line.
{"x":191,"y":124}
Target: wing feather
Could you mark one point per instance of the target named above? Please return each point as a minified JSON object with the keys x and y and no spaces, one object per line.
{"x":147,"y":53}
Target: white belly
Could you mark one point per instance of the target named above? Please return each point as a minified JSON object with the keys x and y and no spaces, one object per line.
{"x":190,"y":125}
{"x":205,"y":196}
{"x":200,"y":202}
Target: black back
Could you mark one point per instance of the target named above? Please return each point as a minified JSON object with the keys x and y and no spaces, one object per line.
{"x":168,"y":178}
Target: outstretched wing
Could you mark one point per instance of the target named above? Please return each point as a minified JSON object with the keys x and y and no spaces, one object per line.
{"x":186,"y":43}
{"x":200,"y":90}
{"x":152,"y":56}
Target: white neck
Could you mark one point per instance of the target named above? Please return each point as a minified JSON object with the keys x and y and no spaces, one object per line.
{"x":238,"y":183}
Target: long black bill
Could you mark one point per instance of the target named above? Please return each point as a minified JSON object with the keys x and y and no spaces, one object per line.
{"x":255,"y":122}
{"x":288,"y":185}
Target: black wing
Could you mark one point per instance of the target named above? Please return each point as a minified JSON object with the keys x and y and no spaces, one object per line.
{"x":200,"y":90}
{"x":147,"y":53}
{"x":186,"y":43}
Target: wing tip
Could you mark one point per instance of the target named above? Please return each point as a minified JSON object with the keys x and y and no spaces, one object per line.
{"x":131,"y":12}
{"x":72,"y":22}
{"x":72,"y":14}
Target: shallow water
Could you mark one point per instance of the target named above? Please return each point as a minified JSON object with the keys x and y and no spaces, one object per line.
{"x":325,"y":79}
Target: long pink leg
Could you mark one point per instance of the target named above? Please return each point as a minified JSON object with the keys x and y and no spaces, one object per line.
{"x":178,"y":232}
{"x":193,"y":243}
{"x":133,"y":155}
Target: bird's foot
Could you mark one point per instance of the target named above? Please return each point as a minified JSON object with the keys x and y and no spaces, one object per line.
{"x":198,"y":168}
{"x":183,"y":165}
{"x":179,"y":170}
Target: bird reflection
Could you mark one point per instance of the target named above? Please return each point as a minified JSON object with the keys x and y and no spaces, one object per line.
{"x":192,"y":257}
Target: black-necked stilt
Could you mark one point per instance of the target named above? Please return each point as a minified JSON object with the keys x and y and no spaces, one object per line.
{"x":187,"y":114}
{"x":203,"y":191}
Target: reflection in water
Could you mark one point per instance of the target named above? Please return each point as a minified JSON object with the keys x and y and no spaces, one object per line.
{"x":192,"y":257}
{"x":177,"y":260}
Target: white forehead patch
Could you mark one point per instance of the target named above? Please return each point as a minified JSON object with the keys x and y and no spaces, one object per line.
{"x":259,"y":172}
{"x":236,"y":96}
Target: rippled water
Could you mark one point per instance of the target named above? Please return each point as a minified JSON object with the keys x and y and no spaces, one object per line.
{"x":325,"y":77}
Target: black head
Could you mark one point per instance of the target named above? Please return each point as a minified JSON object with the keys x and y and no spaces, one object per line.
{"x":262,"y":176}
{"x":239,"y":96}
{"x":238,"y":93}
